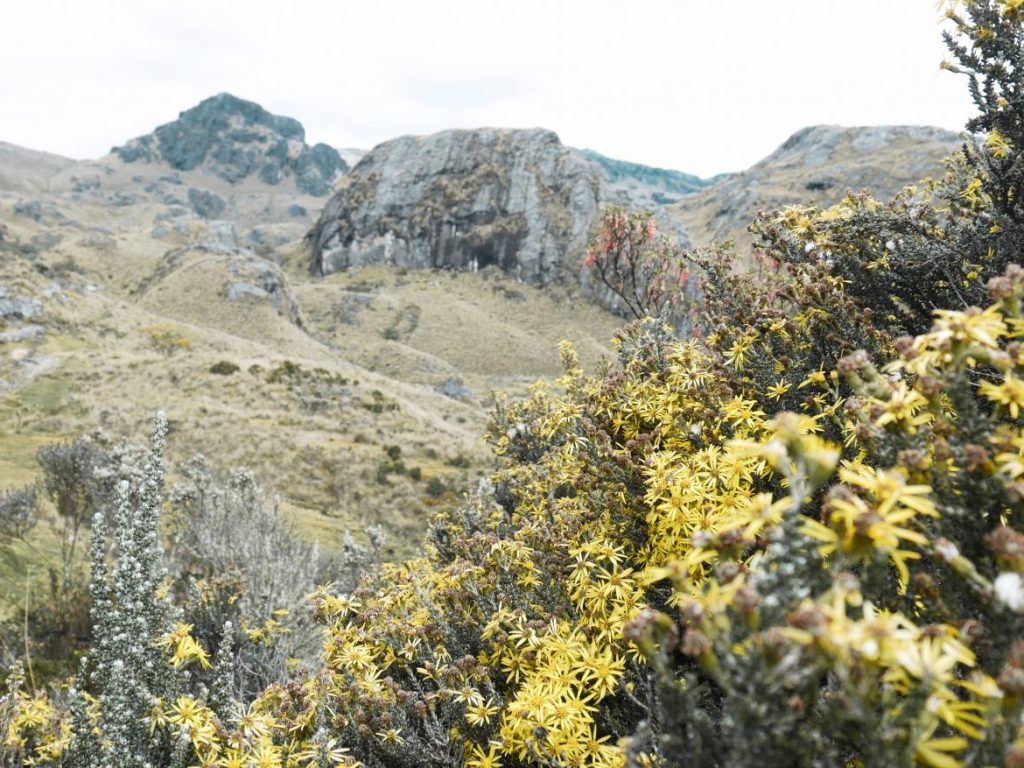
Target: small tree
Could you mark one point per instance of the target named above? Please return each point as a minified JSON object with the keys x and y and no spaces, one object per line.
{"x":637,"y":264}
{"x":19,"y":510}
{"x":69,"y":482}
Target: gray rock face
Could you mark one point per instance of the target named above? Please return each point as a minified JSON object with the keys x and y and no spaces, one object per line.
{"x":818,"y":163}
{"x":236,"y":139}
{"x":256,"y":278}
{"x":25,"y":333}
{"x":221,"y":237}
{"x":517,"y":199}
{"x":205,"y":203}
{"x":15,"y":306}
{"x":454,"y":388}
{"x":817,"y":145}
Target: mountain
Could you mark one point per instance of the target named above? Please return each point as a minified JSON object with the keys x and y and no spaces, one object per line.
{"x":26,"y":170}
{"x":818,"y":163}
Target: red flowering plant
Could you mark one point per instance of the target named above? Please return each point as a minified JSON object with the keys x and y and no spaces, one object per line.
{"x":642,"y":267}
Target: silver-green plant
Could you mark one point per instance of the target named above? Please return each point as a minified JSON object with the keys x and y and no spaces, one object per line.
{"x":127,"y":671}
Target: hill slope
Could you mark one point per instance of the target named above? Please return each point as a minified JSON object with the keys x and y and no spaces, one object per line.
{"x":817,"y":163}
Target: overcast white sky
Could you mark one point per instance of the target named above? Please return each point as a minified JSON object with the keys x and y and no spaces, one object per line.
{"x":703,"y":86}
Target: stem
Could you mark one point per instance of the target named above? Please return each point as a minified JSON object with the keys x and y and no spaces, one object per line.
{"x":28,"y":653}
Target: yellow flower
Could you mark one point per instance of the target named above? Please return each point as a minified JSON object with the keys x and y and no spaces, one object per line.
{"x":480,"y":714}
{"x":997,"y":144}
{"x":777,"y":390}
{"x":904,"y":406}
{"x":602,"y":669}
{"x":480,"y":759}
{"x":815,"y":378}
{"x":1008,"y":395}
{"x":186,"y":648}
{"x":391,"y":736}
{"x":861,"y":528}
{"x":737,"y":355}
{"x":188,"y":712}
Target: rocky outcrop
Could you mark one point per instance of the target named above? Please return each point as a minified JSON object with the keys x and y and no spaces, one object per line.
{"x":517,"y":199}
{"x":15,"y":306}
{"x":237,"y":139}
{"x":205,"y":203}
{"x":819,"y":163}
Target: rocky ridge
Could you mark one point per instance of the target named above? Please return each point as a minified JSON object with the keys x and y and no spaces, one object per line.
{"x":818,"y":163}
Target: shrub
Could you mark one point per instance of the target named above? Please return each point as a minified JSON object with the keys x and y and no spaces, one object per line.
{"x":242,"y":562}
{"x":436,"y":486}
{"x":641,"y":267}
{"x":224,"y":368}
{"x":166,"y":338}
{"x":19,"y":509}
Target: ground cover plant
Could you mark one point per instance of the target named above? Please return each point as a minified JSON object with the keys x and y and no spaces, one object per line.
{"x":791,"y":537}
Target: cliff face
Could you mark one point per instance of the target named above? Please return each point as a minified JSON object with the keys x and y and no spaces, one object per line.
{"x":236,"y":139}
{"x":459,"y":199}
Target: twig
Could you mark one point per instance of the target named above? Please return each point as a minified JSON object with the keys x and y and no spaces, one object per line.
{"x":28,"y":653}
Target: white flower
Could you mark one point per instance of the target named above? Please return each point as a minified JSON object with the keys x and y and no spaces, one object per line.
{"x":891,"y":245}
{"x":1009,"y":589}
{"x":701,"y":539}
{"x":808,"y":247}
{"x":947,"y":550}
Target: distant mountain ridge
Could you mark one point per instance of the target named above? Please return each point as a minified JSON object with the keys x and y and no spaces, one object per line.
{"x":662,"y":182}
{"x":459,"y":199}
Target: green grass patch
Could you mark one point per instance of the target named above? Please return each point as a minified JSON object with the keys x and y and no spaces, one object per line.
{"x":18,"y":561}
{"x":50,"y":395}
{"x":18,"y":457}
{"x":315,"y":526}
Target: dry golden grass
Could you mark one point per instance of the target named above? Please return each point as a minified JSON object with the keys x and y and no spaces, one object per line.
{"x":146,"y":334}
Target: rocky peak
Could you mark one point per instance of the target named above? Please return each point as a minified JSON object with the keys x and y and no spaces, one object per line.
{"x":817,"y":145}
{"x":462,"y":199}
{"x":236,"y":139}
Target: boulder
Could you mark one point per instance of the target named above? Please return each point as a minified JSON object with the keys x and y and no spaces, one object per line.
{"x":459,"y":199}
{"x":205,"y":203}
{"x":13,"y":305}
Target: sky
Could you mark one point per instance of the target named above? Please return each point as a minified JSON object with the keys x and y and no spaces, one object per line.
{"x":703,"y":86}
